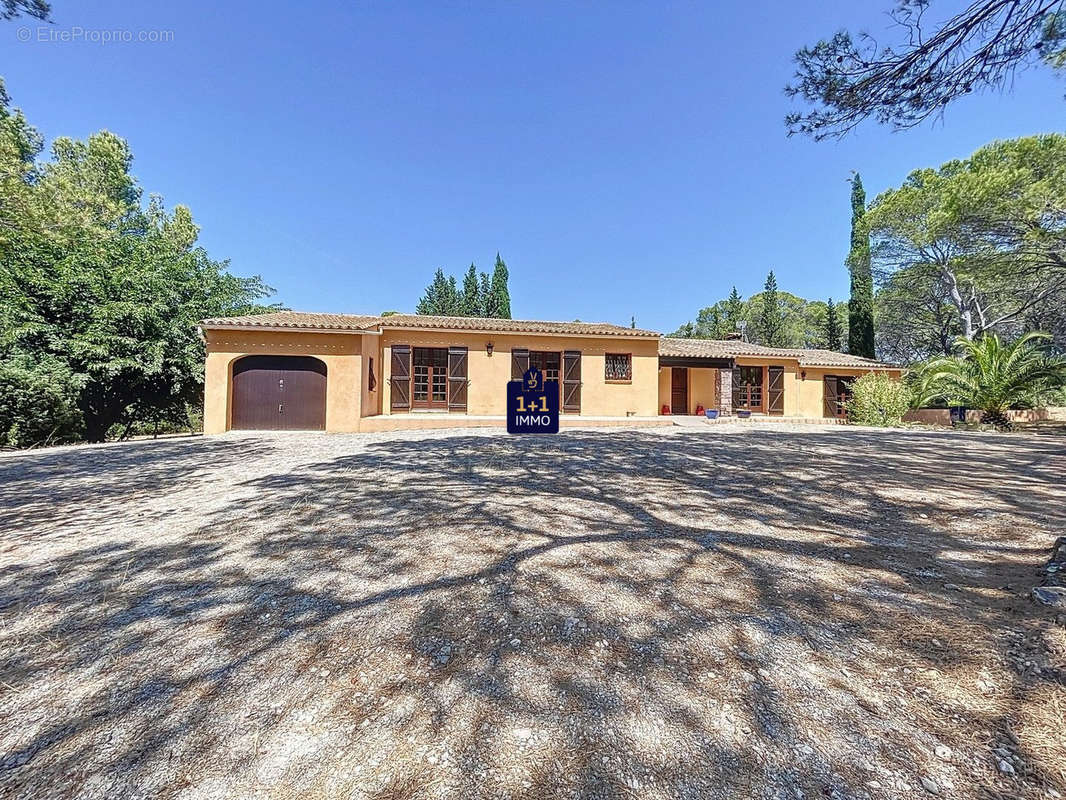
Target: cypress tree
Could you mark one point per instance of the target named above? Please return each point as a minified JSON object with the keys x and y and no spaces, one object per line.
{"x":470,"y":301}
{"x":500,"y":303}
{"x":772,"y":320}
{"x":486,"y":294}
{"x":861,"y":304}
{"x":450,"y":301}
{"x":832,"y":326}
{"x":433,"y":299}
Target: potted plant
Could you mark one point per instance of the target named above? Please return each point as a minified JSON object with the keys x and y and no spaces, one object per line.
{"x":743,"y":413}
{"x":712,"y":413}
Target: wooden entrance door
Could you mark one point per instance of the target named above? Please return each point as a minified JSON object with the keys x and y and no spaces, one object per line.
{"x":679,"y":390}
{"x":748,"y":388}
{"x":279,"y":393}
{"x":837,"y":394}
{"x":547,"y":362}
{"x":429,"y":377}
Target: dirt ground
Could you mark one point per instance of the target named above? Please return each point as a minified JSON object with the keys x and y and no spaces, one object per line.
{"x":724,"y":612}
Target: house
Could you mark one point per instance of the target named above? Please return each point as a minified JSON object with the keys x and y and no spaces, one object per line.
{"x":345,"y":372}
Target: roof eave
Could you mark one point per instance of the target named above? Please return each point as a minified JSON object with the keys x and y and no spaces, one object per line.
{"x":624,"y":334}
{"x":209,"y":326}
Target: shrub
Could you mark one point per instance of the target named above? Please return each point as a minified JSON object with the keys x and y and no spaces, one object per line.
{"x":877,"y":399}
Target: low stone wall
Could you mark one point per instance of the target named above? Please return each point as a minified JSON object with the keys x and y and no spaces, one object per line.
{"x":942,"y":417}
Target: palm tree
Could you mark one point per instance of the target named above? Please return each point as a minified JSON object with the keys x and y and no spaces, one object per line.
{"x":993,"y":376}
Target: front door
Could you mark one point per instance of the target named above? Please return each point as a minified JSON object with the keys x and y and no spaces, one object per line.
{"x":429,"y":377}
{"x":748,"y":388}
{"x":837,"y":394}
{"x":679,"y":390}
{"x":547,"y":362}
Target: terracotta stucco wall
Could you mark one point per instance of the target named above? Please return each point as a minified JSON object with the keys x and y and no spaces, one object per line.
{"x":341,"y":353}
{"x":488,"y":375}
{"x":701,"y":389}
{"x":664,"y":388}
{"x":371,"y":398}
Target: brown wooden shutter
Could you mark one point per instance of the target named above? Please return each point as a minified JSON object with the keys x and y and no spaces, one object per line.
{"x":400,"y":380}
{"x":830,"y":382}
{"x":775,"y":392}
{"x":571,"y":399}
{"x":519,"y":363}
{"x":457,"y":378}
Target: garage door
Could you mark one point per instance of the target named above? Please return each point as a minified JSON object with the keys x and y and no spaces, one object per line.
{"x":279,"y":393}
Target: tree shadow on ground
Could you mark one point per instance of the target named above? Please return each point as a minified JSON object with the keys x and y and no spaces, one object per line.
{"x":594,"y":614}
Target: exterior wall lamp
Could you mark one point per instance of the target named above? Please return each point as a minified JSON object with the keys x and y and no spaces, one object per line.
{"x":488,"y":348}
{"x":803,"y":375}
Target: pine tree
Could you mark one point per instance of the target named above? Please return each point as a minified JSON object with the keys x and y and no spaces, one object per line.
{"x":861,"y":305}
{"x":772,"y":319}
{"x":832,"y":326}
{"x":734,"y":312}
{"x":499,"y":304}
{"x":470,"y":300}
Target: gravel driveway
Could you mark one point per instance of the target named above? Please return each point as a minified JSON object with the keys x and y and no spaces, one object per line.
{"x":707,"y":613}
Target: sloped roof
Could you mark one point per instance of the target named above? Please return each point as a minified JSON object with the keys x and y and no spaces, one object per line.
{"x":732,"y":348}
{"x":511,"y":325}
{"x":298,"y":320}
{"x":301,"y":320}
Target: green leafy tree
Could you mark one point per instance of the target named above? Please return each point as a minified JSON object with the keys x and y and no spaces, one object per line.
{"x":877,"y":399}
{"x":771,"y":318}
{"x":709,"y":323}
{"x":499,"y":304}
{"x":686,"y":330}
{"x":975,"y":246}
{"x":832,"y":326}
{"x":861,"y":305}
{"x":99,"y":295}
{"x":471,"y":303}
{"x":993,"y":376}
{"x":845,"y":80}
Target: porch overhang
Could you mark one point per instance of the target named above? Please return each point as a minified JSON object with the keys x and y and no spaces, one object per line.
{"x":697,"y":361}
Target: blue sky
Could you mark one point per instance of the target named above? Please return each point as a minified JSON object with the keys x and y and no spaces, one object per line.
{"x":626,"y":158}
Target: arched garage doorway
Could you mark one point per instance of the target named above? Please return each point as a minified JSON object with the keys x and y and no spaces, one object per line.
{"x":279,"y":393}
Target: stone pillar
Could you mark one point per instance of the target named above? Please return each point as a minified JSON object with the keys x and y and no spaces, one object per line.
{"x":725,"y":392}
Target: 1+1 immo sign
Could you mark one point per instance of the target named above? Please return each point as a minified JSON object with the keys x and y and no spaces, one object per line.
{"x":533,"y":404}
